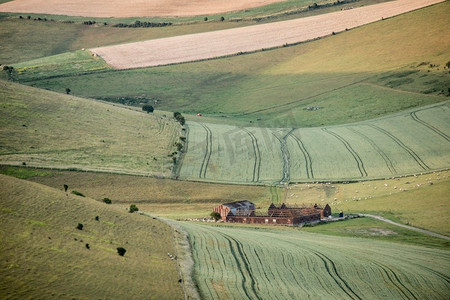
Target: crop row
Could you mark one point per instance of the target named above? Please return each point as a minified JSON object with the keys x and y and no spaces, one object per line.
{"x":410,"y":142}
{"x":243,"y":263}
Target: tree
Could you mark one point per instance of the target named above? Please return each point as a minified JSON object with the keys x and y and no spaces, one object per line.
{"x":121,"y":251}
{"x":68,"y":91}
{"x":65,"y":188}
{"x":215,"y":215}
{"x":133,"y":208}
{"x":107,"y":200}
{"x":80,"y":226}
{"x":148,"y":108}
{"x":222,"y":19}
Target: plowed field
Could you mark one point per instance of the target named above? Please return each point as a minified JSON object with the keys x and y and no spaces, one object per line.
{"x":133,"y":8}
{"x":247,"y":39}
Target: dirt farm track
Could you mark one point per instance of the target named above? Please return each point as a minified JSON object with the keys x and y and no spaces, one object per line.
{"x":130,"y":8}
{"x":248,"y":39}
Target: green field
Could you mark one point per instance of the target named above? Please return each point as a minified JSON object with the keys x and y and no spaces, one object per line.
{"x":255,"y":263}
{"x":361,"y":74}
{"x":410,"y":142}
{"x":43,"y":254}
{"x":46,"y":129}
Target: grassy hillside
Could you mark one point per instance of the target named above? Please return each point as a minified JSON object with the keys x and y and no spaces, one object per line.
{"x":341,"y":75}
{"x":41,"y":128}
{"x":256,"y":263}
{"x":44,"y":255}
{"x":63,"y":33}
{"x":419,"y":200}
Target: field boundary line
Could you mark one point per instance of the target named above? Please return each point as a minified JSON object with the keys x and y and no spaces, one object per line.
{"x":407,"y":226}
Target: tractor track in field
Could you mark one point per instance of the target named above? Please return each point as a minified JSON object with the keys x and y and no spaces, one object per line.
{"x":383,"y":155}
{"x":393,"y":278}
{"x":246,"y":265}
{"x":332,"y":271}
{"x":306,"y":155}
{"x":431,"y":127}
{"x":411,"y":152}
{"x":257,"y":165}
{"x":359,"y":162}
{"x":208,"y":150}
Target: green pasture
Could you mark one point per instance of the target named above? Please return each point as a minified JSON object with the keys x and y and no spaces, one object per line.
{"x":410,"y":142}
{"x":46,"y":129}
{"x":367,"y":72}
{"x":44,"y":255}
{"x":266,"y":263}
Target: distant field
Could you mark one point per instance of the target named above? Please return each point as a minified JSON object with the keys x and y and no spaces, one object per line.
{"x":43,"y":254}
{"x":233,"y":262}
{"x":121,"y":9}
{"x":46,"y":129}
{"x":353,"y":76}
{"x":410,"y":142}
{"x":248,"y":39}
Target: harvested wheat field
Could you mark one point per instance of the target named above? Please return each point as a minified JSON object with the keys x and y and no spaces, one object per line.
{"x":132,"y":8}
{"x":208,"y":45}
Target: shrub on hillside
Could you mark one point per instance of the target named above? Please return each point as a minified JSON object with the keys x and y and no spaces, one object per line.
{"x":215,"y":215}
{"x":121,"y":251}
{"x":80,"y":226}
{"x":148,"y":108}
{"x":107,"y":200}
{"x":78,"y":193}
{"x":133,"y":208}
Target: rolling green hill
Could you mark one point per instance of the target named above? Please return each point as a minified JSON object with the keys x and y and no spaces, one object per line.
{"x":44,"y":255}
{"x":42,"y":128}
{"x":352,"y":76}
{"x":256,"y":263}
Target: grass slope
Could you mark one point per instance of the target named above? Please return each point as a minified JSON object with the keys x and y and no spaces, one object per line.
{"x":419,"y":200}
{"x":341,"y":75}
{"x":240,"y":262}
{"x":41,"y":128}
{"x":405,"y":143}
{"x":64,"y":33}
{"x":44,"y":255}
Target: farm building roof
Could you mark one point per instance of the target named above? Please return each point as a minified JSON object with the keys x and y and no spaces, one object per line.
{"x":239,"y":204}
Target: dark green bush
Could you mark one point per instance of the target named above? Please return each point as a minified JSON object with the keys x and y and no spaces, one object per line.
{"x":121,"y":251}
{"x":80,"y":226}
{"x":107,"y":200}
{"x":78,"y":193}
{"x":133,"y":208}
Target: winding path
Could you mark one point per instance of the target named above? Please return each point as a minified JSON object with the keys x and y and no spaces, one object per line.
{"x":407,"y":226}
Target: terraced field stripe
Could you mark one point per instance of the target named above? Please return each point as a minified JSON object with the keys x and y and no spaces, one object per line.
{"x":286,"y":156}
{"x":383,"y":155}
{"x":393,"y":278}
{"x":208,"y":150}
{"x":257,"y":165}
{"x":359,"y":162}
{"x":308,"y":160}
{"x":414,"y":155}
{"x":332,"y":271}
{"x":417,"y":119}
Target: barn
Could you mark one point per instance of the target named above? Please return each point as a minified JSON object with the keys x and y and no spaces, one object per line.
{"x":237,"y":208}
{"x":278,"y":215}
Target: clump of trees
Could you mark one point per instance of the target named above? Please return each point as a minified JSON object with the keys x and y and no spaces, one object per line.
{"x":215,"y":215}
{"x":179,"y":118}
{"x":133,"y":208}
{"x":148,"y":108}
{"x":139,"y":24}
